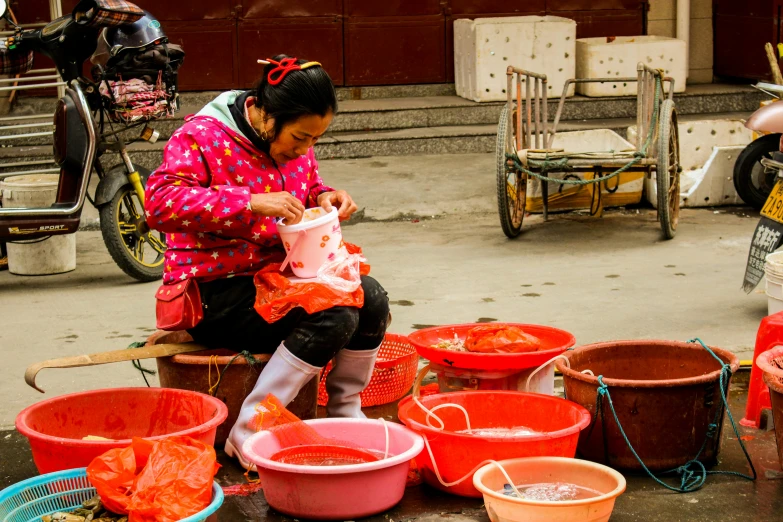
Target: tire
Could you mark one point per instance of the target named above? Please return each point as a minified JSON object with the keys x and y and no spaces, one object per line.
{"x":511,"y":198}
{"x":123,"y":245}
{"x":751,"y":179}
{"x":668,"y":170}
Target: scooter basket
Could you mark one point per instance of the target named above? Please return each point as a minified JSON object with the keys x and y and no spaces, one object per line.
{"x":16,"y":62}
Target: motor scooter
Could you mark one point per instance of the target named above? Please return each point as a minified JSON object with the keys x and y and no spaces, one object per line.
{"x":752,"y":180}
{"x":92,"y":120}
{"x":767,"y":151}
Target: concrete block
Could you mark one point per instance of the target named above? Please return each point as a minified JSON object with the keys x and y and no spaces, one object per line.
{"x":666,"y":28}
{"x":699,"y":76}
{"x":662,"y":10}
{"x":701,"y":44}
{"x":625,"y":189}
{"x":708,"y":150}
{"x":599,"y":58}
{"x":701,"y":9}
{"x":484,"y":48}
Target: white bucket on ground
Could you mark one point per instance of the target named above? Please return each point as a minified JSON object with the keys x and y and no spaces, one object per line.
{"x":54,"y":255}
{"x":314,"y":241}
{"x":773,"y":271}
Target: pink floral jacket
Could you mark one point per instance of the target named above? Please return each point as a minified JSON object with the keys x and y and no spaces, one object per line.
{"x":200,"y":198}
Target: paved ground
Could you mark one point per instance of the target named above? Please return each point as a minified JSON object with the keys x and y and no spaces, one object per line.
{"x":430,"y":231}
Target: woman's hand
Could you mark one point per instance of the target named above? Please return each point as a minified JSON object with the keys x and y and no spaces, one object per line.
{"x":278,"y":204}
{"x":339,"y":198}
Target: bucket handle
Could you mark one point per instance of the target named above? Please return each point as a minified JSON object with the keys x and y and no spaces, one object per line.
{"x":553,"y":359}
{"x":299,"y":237}
{"x":550,"y":361}
{"x":469,"y":473}
{"x":431,"y":413}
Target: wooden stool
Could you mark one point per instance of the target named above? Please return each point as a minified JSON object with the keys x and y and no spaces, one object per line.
{"x":200,"y":371}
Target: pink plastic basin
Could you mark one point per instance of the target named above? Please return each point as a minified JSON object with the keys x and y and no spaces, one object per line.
{"x":55,"y":427}
{"x":337,"y":492}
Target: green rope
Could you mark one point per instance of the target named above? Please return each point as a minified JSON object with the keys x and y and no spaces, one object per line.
{"x":252,"y":361}
{"x":137,"y":363}
{"x":693,"y":474}
{"x":561,"y":165}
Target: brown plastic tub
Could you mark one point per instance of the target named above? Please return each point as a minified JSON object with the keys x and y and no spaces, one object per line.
{"x":665,"y":393}
{"x":191,"y":371}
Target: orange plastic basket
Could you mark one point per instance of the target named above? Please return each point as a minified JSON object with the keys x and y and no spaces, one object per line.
{"x":395,"y":371}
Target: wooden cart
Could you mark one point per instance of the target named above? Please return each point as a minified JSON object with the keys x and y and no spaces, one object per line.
{"x":525,"y":139}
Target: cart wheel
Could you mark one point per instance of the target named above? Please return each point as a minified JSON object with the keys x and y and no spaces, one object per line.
{"x":668,"y":170}
{"x":512,"y":184}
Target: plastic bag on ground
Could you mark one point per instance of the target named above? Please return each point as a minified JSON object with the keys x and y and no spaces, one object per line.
{"x":161,"y":481}
{"x":276,"y":295}
{"x":500,"y":339}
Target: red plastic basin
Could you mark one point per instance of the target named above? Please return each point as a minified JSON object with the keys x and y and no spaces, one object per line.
{"x":56,"y":427}
{"x":553,"y":342}
{"x":456,"y":454}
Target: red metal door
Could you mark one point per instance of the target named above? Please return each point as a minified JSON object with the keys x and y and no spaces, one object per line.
{"x":741,"y":31}
{"x":208,"y":33}
{"x":311,"y":29}
{"x":359,"y":42}
{"x":394,"y":42}
{"x":206,"y":30}
{"x":602,"y":17}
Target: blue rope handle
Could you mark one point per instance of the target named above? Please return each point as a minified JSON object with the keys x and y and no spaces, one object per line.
{"x":693,"y":474}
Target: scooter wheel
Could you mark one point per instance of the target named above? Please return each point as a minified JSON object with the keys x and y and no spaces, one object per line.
{"x":754,"y":181}
{"x":137,"y":250}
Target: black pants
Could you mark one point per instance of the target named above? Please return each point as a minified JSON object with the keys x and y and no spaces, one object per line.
{"x":231,"y":321}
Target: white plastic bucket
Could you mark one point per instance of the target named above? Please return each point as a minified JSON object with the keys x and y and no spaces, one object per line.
{"x":312,"y":242}
{"x":54,"y":255}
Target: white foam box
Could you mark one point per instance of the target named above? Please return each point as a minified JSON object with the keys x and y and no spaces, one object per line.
{"x":708,"y":150}
{"x":601,"y":58}
{"x":625,"y":189}
{"x":485,"y":47}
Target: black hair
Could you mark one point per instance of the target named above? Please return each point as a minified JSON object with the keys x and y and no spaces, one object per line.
{"x":300,"y":93}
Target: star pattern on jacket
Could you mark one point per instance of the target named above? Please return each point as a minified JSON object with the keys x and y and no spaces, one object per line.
{"x":200,"y":198}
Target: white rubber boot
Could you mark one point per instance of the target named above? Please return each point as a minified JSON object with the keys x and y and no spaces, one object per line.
{"x":283,"y":376}
{"x":351,"y":373}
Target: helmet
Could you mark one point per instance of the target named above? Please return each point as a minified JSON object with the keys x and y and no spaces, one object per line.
{"x":113,"y":42}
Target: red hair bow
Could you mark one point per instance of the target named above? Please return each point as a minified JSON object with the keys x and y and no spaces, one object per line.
{"x":283,"y":67}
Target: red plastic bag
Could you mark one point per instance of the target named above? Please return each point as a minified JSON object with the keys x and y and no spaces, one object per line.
{"x":500,"y":339}
{"x":114,"y":473}
{"x":161,"y":481}
{"x":276,"y":295}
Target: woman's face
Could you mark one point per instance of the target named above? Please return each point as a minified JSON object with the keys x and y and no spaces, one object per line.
{"x":297,"y":137}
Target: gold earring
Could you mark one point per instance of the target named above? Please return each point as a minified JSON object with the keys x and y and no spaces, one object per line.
{"x":264,"y":134}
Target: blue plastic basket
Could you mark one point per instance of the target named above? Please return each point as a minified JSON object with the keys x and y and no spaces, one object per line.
{"x":33,"y":498}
